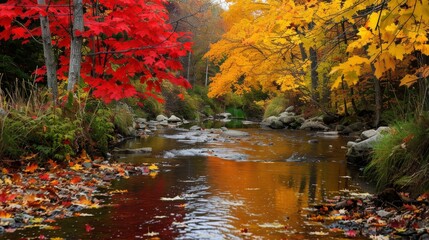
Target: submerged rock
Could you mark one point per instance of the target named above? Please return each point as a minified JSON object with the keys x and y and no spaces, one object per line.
{"x":235,"y":133}
{"x":133,"y":150}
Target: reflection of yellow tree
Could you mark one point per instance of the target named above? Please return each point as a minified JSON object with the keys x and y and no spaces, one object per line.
{"x":276,"y":189}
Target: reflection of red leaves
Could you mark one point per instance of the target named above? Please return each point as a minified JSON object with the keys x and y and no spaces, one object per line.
{"x":88,"y":228}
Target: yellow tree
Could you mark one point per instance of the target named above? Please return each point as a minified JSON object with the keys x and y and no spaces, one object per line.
{"x":393,"y":37}
{"x":261,"y":48}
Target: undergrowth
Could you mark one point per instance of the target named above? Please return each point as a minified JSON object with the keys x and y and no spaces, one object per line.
{"x":401,"y":157}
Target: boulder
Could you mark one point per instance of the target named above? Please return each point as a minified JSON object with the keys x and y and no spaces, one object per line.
{"x":173,"y":118}
{"x":286,"y":114}
{"x":313,"y":125}
{"x":276,"y":124}
{"x":161,"y":118}
{"x":287,"y":119}
{"x":359,"y":152}
{"x":267,"y":121}
{"x":368,"y":133}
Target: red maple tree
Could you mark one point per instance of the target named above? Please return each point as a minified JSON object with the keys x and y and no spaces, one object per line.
{"x":125,"y":42}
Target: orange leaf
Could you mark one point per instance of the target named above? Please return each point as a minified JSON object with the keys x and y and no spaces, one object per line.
{"x":181,"y":96}
{"x":75,"y":180}
{"x":54,"y":182}
{"x":32,"y":181}
{"x":4,"y":214}
{"x":5,"y":171}
{"x":52,"y":164}
{"x":17,"y":178}
{"x":31,"y":168}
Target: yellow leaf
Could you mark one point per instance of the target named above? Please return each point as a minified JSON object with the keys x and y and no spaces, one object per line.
{"x":153,"y":167}
{"x":76,"y":167}
{"x":408,"y":80}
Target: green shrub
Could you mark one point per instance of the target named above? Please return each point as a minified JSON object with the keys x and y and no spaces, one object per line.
{"x":101,"y":129}
{"x":401,"y":158}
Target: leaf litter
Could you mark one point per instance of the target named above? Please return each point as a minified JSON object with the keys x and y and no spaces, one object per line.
{"x":357,"y":215}
{"x":33,"y":196}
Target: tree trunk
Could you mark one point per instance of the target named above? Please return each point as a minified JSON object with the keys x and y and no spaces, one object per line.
{"x":76,"y":45}
{"x":314,"y":74}
{"x":188,"y":71}
{"x":377,"y":98}
{"x":48,"y":53}
{"x":207,"y":72}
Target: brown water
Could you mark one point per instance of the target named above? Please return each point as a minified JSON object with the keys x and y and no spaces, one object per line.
{"x":263,"y":194}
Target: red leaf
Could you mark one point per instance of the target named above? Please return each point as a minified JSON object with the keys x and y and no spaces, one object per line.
{"x":44,"y":177}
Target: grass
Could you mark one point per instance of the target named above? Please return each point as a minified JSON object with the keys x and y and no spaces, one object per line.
{"x":401,"y":157}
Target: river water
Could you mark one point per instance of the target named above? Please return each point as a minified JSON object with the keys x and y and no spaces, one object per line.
{"x":256,"y":187}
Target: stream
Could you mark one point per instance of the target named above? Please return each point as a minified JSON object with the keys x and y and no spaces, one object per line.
{"x":256,"y":187}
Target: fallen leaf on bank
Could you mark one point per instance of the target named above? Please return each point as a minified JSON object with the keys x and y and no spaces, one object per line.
{"x":31,"y":167}
{"x":29,"y":157}
{"x":44,"y":176}
{"x":76,"y":167}
{"x":75,"y":180}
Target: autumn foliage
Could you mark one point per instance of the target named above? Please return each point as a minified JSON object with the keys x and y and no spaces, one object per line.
{"x":317,"y":47}
{"x":125,"y":43}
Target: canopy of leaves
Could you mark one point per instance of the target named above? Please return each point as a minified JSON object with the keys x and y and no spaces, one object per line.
{"x":123,"y":41}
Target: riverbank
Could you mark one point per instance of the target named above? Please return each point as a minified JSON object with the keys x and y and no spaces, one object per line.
{"x":36,"y":196}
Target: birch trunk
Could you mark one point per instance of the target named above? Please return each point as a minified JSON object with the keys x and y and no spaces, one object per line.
{"x":48,"y":53}
{"x":76,"y":45}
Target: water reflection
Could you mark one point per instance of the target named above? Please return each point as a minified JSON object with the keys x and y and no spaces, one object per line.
{"x":262,"y":196}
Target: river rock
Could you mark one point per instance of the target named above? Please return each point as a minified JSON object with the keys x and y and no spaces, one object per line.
{"x":133,"y":150}
{"x":174,"y":118}
{"x":359,"y":152}
{"x":140,"y":120}
{"x":286,"y":114}
{"x":313,"y":125}
{"x":195,"y":128}
{"x":161,"y":118}
{"x":235,"y":133}
{"x":224,"y":115}
{"x":277,"y":124}
{"x":367,"y":134}
{"x":290,"y":109}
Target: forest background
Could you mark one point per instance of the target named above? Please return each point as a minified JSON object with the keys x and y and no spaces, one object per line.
{"x":74,"y":73}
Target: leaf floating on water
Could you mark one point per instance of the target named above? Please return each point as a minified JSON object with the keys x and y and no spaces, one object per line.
{"x":88,"y":228}
{"x":151,"y":234}
{"x":319,"y":233}
{"x":176,"y":198}
{"x":153,"y":167}
{"x":271,"y":225}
